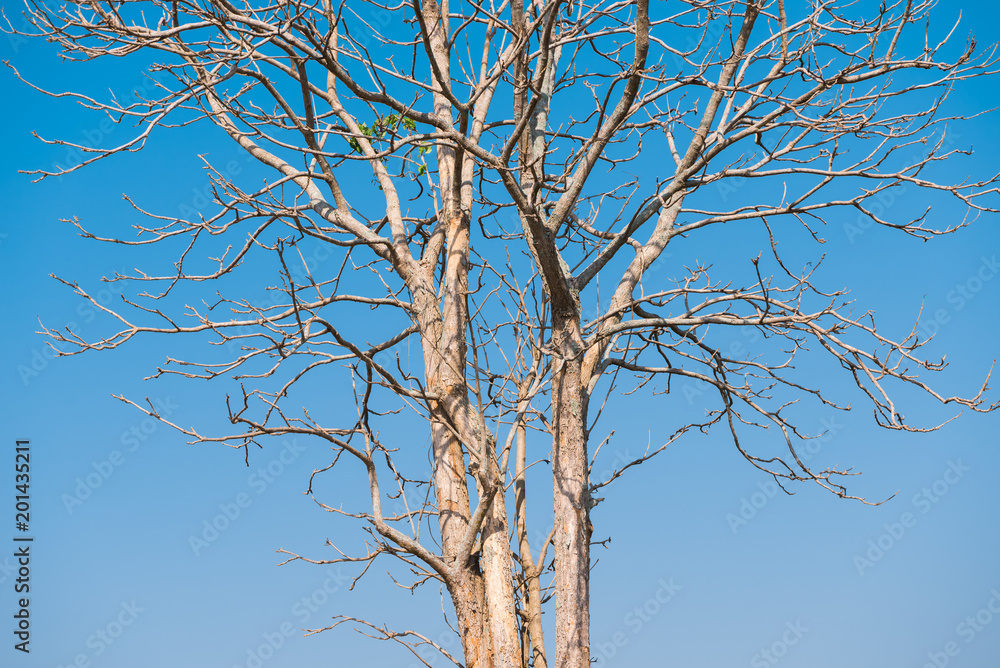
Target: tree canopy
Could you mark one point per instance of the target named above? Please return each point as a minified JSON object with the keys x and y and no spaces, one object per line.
{"x":470,"y":174}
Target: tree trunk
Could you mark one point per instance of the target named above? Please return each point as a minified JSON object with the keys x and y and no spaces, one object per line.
{"x":481,"y":586}
{"x":496,"y":560}
{"x":572,"y":498}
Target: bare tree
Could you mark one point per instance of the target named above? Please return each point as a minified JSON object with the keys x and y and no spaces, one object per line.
{"x":477,"y":170}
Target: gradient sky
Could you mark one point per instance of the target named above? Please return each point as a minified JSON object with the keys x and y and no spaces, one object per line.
{"x":807,"y":580}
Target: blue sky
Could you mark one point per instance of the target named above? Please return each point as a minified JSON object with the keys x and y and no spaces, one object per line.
{"x":707,"y":565}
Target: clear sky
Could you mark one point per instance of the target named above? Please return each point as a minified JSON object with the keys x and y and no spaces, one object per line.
{"x":707,"y":566}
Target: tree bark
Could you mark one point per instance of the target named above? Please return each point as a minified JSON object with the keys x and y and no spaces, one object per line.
{"x":571,"y":497}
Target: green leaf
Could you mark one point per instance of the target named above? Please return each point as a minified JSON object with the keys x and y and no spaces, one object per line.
{"x":422,"y":170}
